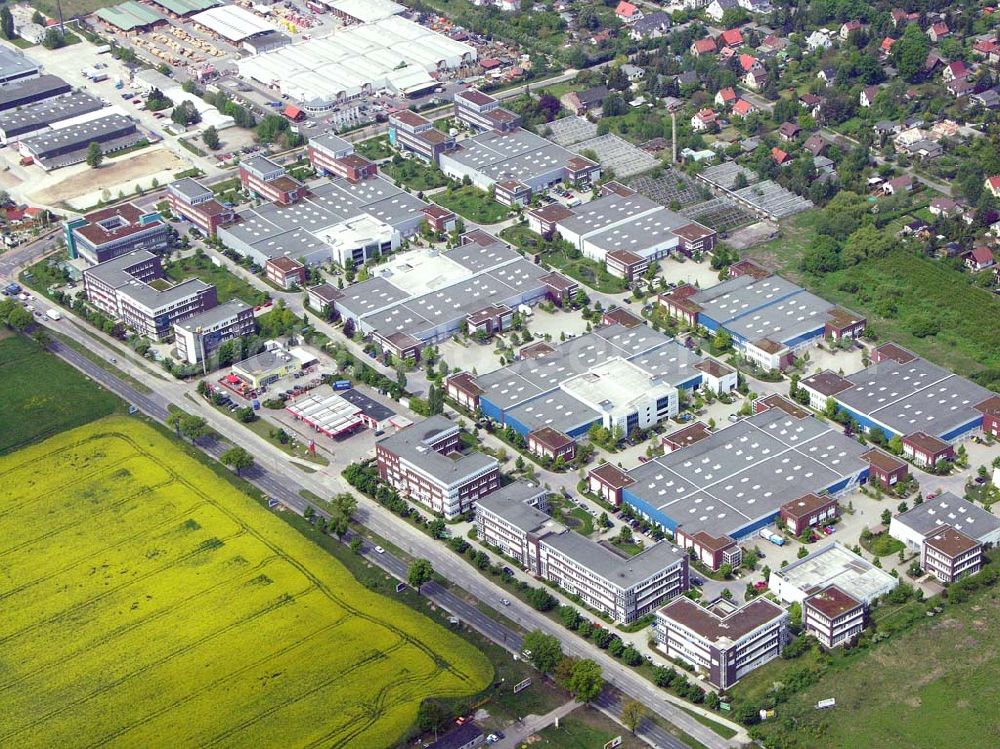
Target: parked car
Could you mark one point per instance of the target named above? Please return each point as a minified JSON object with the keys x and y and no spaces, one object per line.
{"x":379,"y":550}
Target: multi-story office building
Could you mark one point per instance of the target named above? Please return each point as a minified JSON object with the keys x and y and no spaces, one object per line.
{"x":832,"y":616}
{"x":917,"y":524}
{"x":198,"y":336}
{"x":625,"y":588}
{"x":112,"y":232}
{"x":424,"y":462}
{"x":325,"y":150}
{"x":482,"y":112}
{"x":196,"y":203}
{"x":270,"y":181}
{"x":723,"y":642}
{"x":132,"y":288}
{"x":409,"y":131}
{"x":949,"y":554}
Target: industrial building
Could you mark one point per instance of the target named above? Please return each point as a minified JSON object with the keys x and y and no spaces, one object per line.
{"x":133,"y":288}
{"x":615,"y":376}
{"x":197,"y":337}
{"x":67,"y":143}
{"x":233,"y":23}
{"x":267,"y":367}
{"x":921,"y":521}
{"x":27,"y":91}
{"x":192,"y":201}
{"x":424,"y":296}
{"x":16,"y":67}
{"x":722,"y":641}
{"x":625,"y":588}
{"x":338,"y":220}
{"x":111,"y":232}
{"x":901,"y":394}
{"x":727,"y":486}
{"x":37,"y":117}
{"x":424,"y":462}
{"x":516,"y":164}
{"x":389,"y":54}
{"x":770,"y":319}
{"x":620,"y":221}
{"x":833,"y":564}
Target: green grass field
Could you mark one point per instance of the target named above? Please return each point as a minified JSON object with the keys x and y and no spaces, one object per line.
{"x":931,"y":687}
{"x":473,"y":204}
{"x":43,"y":395}
{"x":584,"y":728}
{"x":416,"y":175}
{"x":228,"y":285}
{"x":148,"y":603}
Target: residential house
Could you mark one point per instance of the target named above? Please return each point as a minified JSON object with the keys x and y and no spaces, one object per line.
{"x":780,"y":157}
{"x":898,"y":185}
{"x":944,"y":207}
{"x":772,"y":45}
{"x":726,"y":97}
{"x":993,"y":185}
{"x":651,"y":26}
{"x":705,"y":119}
{"x":901,"y":17}
{"x":849,"y":27}
{"x":868,"y":94}
{"x":818,"y":40}
{"x":743,"y":108}
{"x":717,"y":8}
{"x":954,"y":70}
{"x":885,"y":48}
{"x":704,"y":46}
{"x":789,"y":131}
{"x":581,"y":102}
{"x":812,"y":103}
{"x":979,"y":258}
{"x":756,"y":78}
{"x":827,"y":75}
{"x":815,"y":144}
{"x":627,"y":12}
{"x":961,"y":87}
{"x":990,"y":98}
{"x":938,"y":31}
{"x":730,"y":38}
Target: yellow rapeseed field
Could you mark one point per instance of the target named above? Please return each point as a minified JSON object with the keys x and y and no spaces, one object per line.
{"x":144,"y":602}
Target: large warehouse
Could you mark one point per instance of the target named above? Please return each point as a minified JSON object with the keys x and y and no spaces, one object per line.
{"x":621,"y":219}
{"x":735,"y":481}
{"x":902,"y":395}
{"x":616,"y":376}
{"x":340,"y":220}
{"x":392,"y":54}
{"x":424,"y":296}
{"x":768,"y":317}
{"x":518,"y":163}
{"x":18,"y":124}
{"x":67,"y":143}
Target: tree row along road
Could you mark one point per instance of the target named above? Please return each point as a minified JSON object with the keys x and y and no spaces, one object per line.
{"x":275,"y":476}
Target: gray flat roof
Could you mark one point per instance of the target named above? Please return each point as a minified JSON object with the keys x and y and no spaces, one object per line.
{"x":15,"y":94}
{"x":622,"y":571}
{"x":217,"y":314}
{"x":189,"y":188}
{"x":78,"y":135}
{"x":46,"y":112}
{"x":914,"y":397}
{"x":154,"y":299}
{"x":948,"y":509}
{"x":557,"y":409}
{"x":411,"y":443}
{"x":14,"y":63}
{"x":519,"y":154}
{"x":639,"y":232}
{"x":369,"y":406}
{"x":112,"y":272}
{"x":598,"y":215}
{"x":370,"y":295}
{"x":331,"y":142}
{"x":511,"y":502}
{"x":834,"y":564}
{"x":745,"y":472}
{"x":654,"y":351}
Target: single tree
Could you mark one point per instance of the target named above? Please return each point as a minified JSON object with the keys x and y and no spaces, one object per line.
{"x":546,"y":652}
{"x":210,"y":137}
{"x":7,"y":23}
{"x":586,"y":681}
{"x":94,"y":155}
{"x":420,"y":572}
{"x":633,"y":712}
{"x":237,"y":458}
